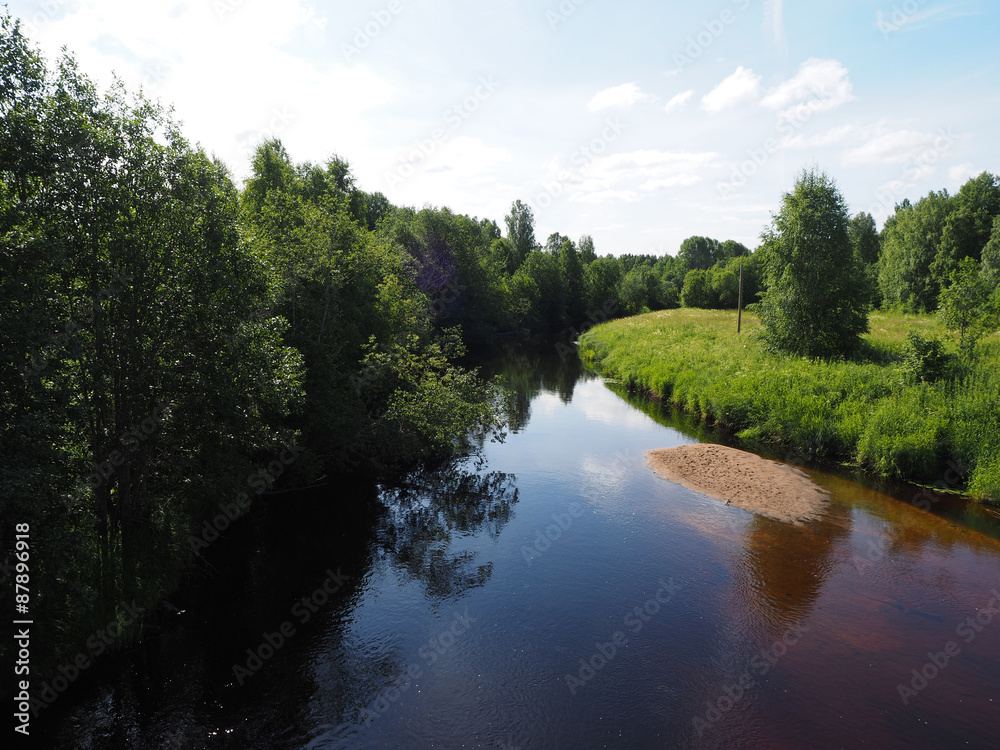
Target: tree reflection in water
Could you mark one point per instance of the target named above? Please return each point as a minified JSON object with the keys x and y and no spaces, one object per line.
{"x":428,"y":511}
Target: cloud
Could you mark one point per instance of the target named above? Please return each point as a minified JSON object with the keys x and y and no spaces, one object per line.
{"x":820,"y":85}
{"x":959,"y":174}
{"x":742,"y":86}
{"x":678,"y":101}
{"x":622,"y":97}
{"x":231,"y":71}
{"x":607,"y":196}
{"x":897,"y":147}
{"x":647,"y":170}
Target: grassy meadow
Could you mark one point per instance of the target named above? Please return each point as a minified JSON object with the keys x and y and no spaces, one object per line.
{"x":870,"y":412}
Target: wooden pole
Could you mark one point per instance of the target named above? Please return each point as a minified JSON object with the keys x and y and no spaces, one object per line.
{"x":739,"y":305}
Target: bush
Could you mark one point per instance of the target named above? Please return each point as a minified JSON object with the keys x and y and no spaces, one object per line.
{"x":925,"y":360}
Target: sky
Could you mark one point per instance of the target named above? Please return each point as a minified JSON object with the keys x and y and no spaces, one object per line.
{"x":638,"y":123}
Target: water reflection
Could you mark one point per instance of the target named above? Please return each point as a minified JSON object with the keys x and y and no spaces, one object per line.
{"x":783,"y":567}
{"x":425,"y":513}
{"x":528,"y":368}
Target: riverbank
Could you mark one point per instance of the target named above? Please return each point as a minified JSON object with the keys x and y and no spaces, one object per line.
{"x":867,"y":413}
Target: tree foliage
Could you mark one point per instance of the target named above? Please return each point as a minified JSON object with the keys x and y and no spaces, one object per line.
{"x":814,"y":301}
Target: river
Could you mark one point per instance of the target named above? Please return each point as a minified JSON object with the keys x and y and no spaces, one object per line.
{"x":558,"y":594}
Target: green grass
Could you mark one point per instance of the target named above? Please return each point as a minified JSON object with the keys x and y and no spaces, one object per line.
{"x":865,"y":412}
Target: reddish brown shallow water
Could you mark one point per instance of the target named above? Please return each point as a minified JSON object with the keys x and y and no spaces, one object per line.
{"x":580,"y":602}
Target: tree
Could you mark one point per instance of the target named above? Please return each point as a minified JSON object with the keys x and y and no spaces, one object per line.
{"x":571,"y":270}
{"x":866,"y":244}
{"x":864,"y":238}
{"x":731,"y":249}
{"x":639,"y":290}
{"x":814,"y":303}
{"x":991,"y":258}
{"x":699,"y":252}
{"x":910,"y":241}
{"x":697,"y":291}
{"x":586,"y":247}
{"x":966,"y":306}
{"x":555,"y":242}
{"x":521,"y":230}
{"x":602,"y":278}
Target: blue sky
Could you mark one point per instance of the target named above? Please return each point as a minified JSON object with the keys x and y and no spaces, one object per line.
{"x":638,"y":123}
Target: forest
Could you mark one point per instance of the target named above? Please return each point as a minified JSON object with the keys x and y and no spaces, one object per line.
{"x":175,"y":345}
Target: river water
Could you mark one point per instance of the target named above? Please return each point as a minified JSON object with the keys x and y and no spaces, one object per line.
{"x":558,"y":594}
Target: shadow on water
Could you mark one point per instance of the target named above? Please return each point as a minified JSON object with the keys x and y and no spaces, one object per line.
{"x":274,"y":605}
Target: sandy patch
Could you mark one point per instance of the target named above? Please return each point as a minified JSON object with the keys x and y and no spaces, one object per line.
{"x":742,"y":479}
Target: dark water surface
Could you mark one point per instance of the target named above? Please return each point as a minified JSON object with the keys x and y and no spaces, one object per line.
{"x":563,"y":596}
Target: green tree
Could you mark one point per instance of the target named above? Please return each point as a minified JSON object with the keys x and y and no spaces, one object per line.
{"x":697,"y":290}
{"x":867,"y":246}
{"x":571,"y":270}
{"x":520,"y":230}
{"x":699,"y":253}
{"x":638,"y":291}
{"x":910,"y":241}
{"x":602,"y":278}
{"x":814,"y":302}
{"x":731,"y":249}
{"x":991,"y":257}
{"x":967,"y":306}
{"x":586,"y":247}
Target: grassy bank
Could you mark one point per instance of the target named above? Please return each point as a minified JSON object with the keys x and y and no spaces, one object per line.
{"x":866,"y":412}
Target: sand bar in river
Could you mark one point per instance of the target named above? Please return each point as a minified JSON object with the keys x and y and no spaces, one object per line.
{"x":742,"y":479}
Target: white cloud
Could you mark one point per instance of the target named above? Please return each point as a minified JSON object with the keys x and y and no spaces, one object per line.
{"x":234,"y":77}
{"x":648,"y":170}
{"x":622,"y":97}
{"x":742,"y":86}
{"x":678,"y":101}
{"x":959,"y":174}
{"x":607,"y":196}
{"x":819,"y":86}
{"x":897,"y":147}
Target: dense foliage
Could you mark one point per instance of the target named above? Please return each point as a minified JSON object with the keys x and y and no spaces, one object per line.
{"x":816,"y":298}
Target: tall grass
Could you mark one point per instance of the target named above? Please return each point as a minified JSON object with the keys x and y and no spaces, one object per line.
{"x":867,"y":412}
